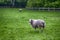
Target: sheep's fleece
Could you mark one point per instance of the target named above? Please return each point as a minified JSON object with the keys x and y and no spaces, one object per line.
{"x":37,"y":23}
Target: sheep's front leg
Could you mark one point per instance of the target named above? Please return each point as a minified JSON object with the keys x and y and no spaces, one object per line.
{"x":41,"y":30}
{"x":35,"y":28}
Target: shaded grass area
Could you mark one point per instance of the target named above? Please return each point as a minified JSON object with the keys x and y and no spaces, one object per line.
{"x":14,"y":25}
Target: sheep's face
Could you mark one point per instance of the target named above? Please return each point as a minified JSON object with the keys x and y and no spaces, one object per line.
{"x":30,"y":21}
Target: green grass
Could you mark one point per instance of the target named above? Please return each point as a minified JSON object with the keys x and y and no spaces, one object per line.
{"x":14,"y":25}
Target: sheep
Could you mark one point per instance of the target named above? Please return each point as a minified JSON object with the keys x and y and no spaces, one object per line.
{"x":37,"y":23}
{"x":20,"y":10}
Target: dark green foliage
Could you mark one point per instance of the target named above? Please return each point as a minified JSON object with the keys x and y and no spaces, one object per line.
{"x":30,"y":3}
{"x":43,"y":3}
{"x":13,"y":3}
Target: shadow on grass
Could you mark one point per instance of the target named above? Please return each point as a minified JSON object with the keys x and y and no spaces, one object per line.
{"x":36,"y":32}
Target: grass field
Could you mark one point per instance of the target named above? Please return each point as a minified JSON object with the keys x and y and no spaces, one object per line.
{"x":14,"y":25}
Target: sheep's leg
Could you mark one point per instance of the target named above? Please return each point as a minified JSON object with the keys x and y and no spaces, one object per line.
{"x":35,"y":27}
{"x":41,"y":29}
{"x":43,"y":25}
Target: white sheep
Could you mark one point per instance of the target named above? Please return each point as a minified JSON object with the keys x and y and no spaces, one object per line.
{"x":20,"y":10}
{"x":37,"y":23}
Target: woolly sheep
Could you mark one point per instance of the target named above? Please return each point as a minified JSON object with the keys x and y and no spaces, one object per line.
{"x":37,"y":23}
{"x":20,"y":10}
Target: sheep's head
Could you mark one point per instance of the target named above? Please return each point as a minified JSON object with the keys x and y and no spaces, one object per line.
{"x":30,"y":21}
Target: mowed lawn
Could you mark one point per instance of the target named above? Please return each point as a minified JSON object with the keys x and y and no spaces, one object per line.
{"x":14,"y":25}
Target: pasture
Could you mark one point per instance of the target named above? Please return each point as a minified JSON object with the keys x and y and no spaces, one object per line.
{"x":14,"y":25}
